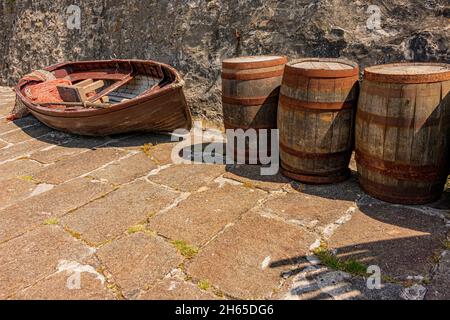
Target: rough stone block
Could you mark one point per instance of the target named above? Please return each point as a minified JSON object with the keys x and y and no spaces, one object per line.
{"x":28,"y":259}
{"x":108,"y":217}
{"x":188,"y":177}
{"x":21,"y":217}
{"x":77,"y":165}
{"x":198,"y":218}
{"x":126,"y":170}
{"x":176,"y":289}
{"x":401,"y":240}
{"x":148,"y":259}
{"x":248,"y":260}
{"x":19,"y":168}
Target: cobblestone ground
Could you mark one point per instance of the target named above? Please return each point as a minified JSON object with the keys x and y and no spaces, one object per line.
{"x":113,"y":218}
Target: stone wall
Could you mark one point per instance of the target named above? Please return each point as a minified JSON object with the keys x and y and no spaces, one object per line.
{"x":195,"y":35}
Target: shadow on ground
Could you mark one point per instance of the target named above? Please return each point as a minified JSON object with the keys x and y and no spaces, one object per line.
{"x":69,"y":140}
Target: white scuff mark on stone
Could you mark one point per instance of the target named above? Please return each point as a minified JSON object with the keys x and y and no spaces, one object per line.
{"x":99,"y":169}
{"x":102,"y":180}
{"x":177,"y":201}
{"x":41,"y":188}
{"x":202,"y":189}
{"x":158,"y":170}
{"x":75,"y":267}
{"x":221,"y":181}
{"x":266,"y":262}
{"x":48,"y":148}
{"x":304,"y":223}
{"x":416,"y":292}
{"x":330,"y":229}
{"x":175,"y":273}
{"x":315,"y":245}
{"x":173,"y":286}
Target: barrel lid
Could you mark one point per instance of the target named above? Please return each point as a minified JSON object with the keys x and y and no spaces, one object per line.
{"x":253,"y":62}
{"x":408,"y":73}
{"x":323,"y":68}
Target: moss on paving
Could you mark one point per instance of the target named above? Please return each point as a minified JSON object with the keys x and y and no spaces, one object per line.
{"x":146,"y":148}
{"x":136,"y":228}
{"x":29,"y":179}
{"x":203,"y":284}
{"x":51,"y":222}
{"x":188,"y":251}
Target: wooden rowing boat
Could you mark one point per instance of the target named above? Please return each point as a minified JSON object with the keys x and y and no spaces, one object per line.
{"x":143,"y":96}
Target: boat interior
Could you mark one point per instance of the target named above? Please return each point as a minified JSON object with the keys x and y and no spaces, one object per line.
{"x":114,"y":81}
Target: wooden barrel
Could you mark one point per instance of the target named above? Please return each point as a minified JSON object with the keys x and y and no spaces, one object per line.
{"x":316,"y":115}
{"x":402,"y":132}
{"x":250,"y":91}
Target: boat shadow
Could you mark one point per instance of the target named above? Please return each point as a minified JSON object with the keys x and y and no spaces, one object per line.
{"x":39,"y":131}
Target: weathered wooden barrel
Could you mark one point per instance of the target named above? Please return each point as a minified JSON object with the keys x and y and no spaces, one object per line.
{"x":316,"y":115}
{"x":250,"y":92}
{"x":402,"y":132}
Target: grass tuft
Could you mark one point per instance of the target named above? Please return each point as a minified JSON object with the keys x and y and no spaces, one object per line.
{"x":188,"y":251}
{"x":350,"y":266}
{"x":203,"y":284}
{"x":146,"y":148}
{"x":51,"y":222}
{"x":29,"y":179}
{"x":136,"y":228}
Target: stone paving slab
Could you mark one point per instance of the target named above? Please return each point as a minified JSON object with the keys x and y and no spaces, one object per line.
{"x":26,"y":215}
{"x":106,"y":218}
{"x":15,"y":189}
{"x":148,"y":259}
{"x":401,"y":241}
{"x":188,"y":177}
{"x":440,"y":284}
{"x":77,"y":165}
{"x":201,"y":216}
{"x":36,"y":255}
{"x":3,"y":144}
{"x":26,"y":133}
{"x":248,"y":259}
{"x":24,"y":123}
{"x":60,"y":286}
{"x":22,"y":149}
{"x":310,"y":211}
{"x":126,"y":170}
{"x":19,"y":168}
{"x":321,"y":283}
{"x":176,"y":289}
{"x":251,"y":175}
{"x":73,"y":146}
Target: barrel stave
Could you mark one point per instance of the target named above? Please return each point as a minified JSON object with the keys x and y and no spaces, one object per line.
{"x":250,"y":92}
{"x":401,"y":137}
{"x":316,"y":116}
